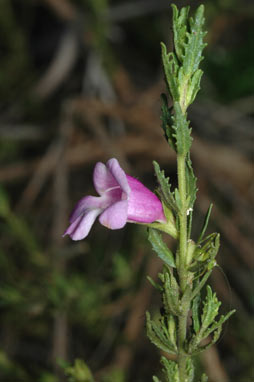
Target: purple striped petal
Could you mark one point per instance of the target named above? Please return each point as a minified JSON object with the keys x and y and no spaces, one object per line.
{"x":119,"y":175}
{"x":80,"y":228}
{"x":115,"y":216}
{"x":87,"y":203}
{"x":143,"y":205}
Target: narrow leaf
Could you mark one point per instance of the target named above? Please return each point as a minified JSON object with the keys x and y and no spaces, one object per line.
{"x":166,"y":118}
{"x":195,"y":313}
{"x":180,"y":22}
{"x":170,"y":370}
{"x":182,"y":131}
{"x":194,"y":86}
{"x":161,"y":248}
{"x":165,"y":192}
{"x":154,"y":284}
{"x":171,"y":294}
{"x":178,"y":199}
{"x":158,"y":335}
{"x":195,"y":44}
{"x":170,"y":66}
{"x":207,"y":217}
{"x":191,"y":182}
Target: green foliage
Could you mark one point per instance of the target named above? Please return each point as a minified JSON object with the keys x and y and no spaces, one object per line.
{"x":206,"y":324}
{"x":31,"y":291}
{"x":181,"y":130}
{"x":80,"y":372}
{"x":206,"y":221}
{"x":181,"y":68}
{"x":10,"y":369}
{"x":180,"y":23}
{"x":170,"y":371}
{"x":114,"y":375}
{"x":183,"y":80}
{"x":195,"y":313}
{"x":171,"y":69}
{"x":170,"y":292}
{"x":160,"y":335}
{"x":204,"y":378}
{"x":186,"y":272}
{"x":191,"y":184}
{"x":48,"y":377}
{"x":166,"y":118}
{"x":194,"y":45}
{"x":204,"y":255}
{"x":164,"y":188}
{"x":160,"y":247}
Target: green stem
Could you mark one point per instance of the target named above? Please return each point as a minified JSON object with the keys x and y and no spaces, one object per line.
{"x":183,"y":222}
{"x":182,"y":269}
{"x":182,"y":357}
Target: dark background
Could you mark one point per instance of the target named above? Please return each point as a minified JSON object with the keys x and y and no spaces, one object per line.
{"x":80,"y":82}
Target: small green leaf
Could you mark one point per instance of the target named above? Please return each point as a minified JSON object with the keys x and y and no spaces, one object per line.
{"x":207,"y":217}
{"x":194,"y":86}
{"x":208,"y":324}
{"x":178,"y":199}
{"x":160,"y":247}
{"x":189,"y":44}
{"x":195,"y":313}
{"x":217,"y":325}
{"x":206,"y":254}
{"x":210,"y":309}
{"x":200,"y":283}
{"x":190,"y":370}
{"x":195,"y":43}
{"x":172,"y":330}
{"x":164,"y":184}
{"x":171,"y":68}
{"x":154,"y":284}
{"x":180,"y":22}
{"x":191,"y":182}
{"x":158,"y":335}
{"x":170,"y":370}
{"x":166,"y":118}
{"x":182,"y":130}
{"x":80,"y":372}
{"x":170,"y":294}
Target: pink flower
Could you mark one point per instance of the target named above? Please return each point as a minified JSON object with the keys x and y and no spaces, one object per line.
{"x":122,"y":199}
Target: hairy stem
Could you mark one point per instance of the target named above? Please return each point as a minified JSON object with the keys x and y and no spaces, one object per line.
{"x":182,"y":271}
{"x":183,"y":222}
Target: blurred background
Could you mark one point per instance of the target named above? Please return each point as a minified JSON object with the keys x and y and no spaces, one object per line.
{"x":80,"y":82}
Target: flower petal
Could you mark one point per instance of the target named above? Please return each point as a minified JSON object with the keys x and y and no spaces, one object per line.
{"x":102,"y":178}
{"x":80,"y":227}
{"x":115,"y":216}
{"x":87,"y":203}
{"x":143,"y":204}
{"x":119,"y":175}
